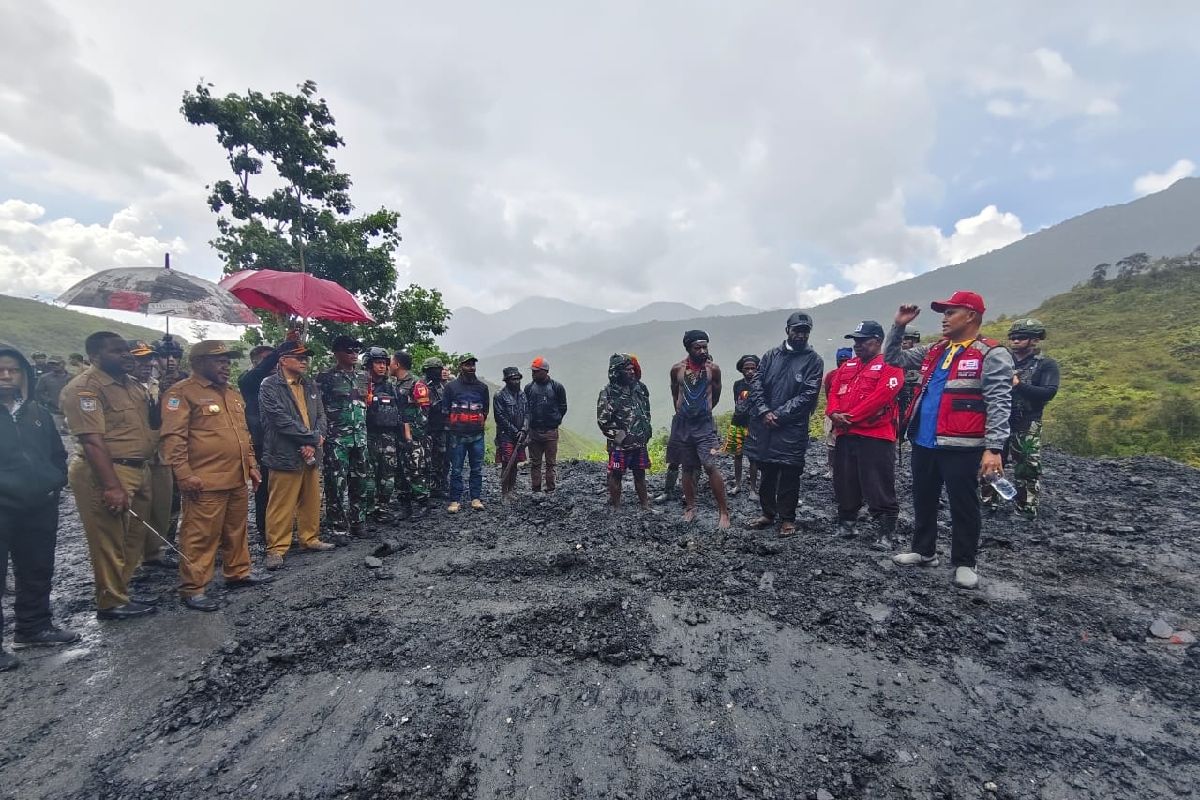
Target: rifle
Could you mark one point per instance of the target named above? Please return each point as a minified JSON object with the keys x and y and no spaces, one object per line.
{"x":507,"y":472}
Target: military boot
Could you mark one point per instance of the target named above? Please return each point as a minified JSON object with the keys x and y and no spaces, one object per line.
{"x":421,"y":509}
{"x":885,"y":532}
{"x":405,"y":511}
{"x":845,"y":529}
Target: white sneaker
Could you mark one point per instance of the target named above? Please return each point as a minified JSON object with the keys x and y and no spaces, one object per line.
{"x":915,"y":560}
{"x":453,"y":507}
{"x":966,"y":578}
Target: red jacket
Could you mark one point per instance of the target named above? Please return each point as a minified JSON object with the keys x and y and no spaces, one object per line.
{"x":867,"y":393}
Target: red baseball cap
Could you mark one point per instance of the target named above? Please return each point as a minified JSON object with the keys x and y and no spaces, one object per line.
{"x":960,"y":299}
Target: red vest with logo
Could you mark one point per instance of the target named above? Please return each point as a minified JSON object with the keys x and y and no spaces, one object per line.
{"x":962,"y":413}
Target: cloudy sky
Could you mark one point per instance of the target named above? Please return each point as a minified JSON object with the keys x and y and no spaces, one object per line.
{"x":613,"y":153}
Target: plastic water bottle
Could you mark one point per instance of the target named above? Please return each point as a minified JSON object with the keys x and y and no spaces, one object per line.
{"x":1003,"y":486}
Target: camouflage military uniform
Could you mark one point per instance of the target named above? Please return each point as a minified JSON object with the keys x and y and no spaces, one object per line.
{"x":383,"y":433}
{"x":412,"y":476}
{"x":1037,"y":378}
{"x":347,"y":475}
{"x":437,"y":455}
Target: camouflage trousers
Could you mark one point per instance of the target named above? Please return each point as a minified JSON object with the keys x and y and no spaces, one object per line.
{"x":382,"y":456}
{"x":439,"y":464}
{"x":1023,"y":455}
{"x":349,"y":487}
{"x":412,"y":473}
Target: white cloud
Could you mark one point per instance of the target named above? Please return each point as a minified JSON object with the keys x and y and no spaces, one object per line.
{"x":46,"y":256}
{"x":1040,"y":85}
{"x":1153,"y":182}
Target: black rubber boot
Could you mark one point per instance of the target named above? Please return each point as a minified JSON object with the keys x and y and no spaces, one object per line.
{"x":405,"y":511}
{"x":846,"y":529}
{"x":885,"y":532}
{"x":420,"y":510}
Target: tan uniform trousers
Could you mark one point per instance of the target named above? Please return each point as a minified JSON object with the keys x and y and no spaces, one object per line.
{"x":211,"y":521}
{"x":115,"y":543}
{"x":295,"y":498}
{"x":162,"y":487}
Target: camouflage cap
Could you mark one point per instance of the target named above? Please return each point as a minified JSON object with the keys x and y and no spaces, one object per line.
{"x":433,"y":362}
{"x":38,"y":354}
{"x":913,"y":335}
{"x":1033,"y":328}
{"x":466,"y":358}
{"x":55,"y":360}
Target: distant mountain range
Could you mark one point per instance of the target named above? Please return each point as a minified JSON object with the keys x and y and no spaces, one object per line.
{"x":545,"y":321}
{"x":1012,"y":280}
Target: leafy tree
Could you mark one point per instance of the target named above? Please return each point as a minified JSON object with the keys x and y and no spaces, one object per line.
{"x":1099,"y":274}
{"x":1133,"y":265}
{"x":303,"y":222}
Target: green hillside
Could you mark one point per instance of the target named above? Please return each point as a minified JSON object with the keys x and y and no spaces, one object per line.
{"x":32,"y":325}
{"x":1129,"y":350}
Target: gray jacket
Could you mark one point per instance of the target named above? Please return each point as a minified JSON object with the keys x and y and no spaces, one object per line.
{"x":283,"y":429}
{"x":997,"y":382}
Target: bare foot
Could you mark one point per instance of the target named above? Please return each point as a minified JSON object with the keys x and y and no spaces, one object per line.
{"x":723,"y":522}
{"x":689,"y":514}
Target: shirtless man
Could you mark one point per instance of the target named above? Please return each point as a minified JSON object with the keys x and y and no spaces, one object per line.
{"x":696,"y":389}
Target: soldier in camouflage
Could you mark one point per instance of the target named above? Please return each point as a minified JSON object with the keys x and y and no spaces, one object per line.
{"x":349,"y":490}
{"x":1035,"y":382}
{"x":912,"y":378}
{"x":384,"y":409}
{"x":438,"y":456}
{"x":412,"y":473}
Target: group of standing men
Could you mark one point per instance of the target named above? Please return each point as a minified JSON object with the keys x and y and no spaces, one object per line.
{"x":968,"y":405}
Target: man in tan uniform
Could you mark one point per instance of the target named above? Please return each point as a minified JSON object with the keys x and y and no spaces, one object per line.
{"x":109,"y":414}
{"x":207,"y":444}
{"x":162,"y":485}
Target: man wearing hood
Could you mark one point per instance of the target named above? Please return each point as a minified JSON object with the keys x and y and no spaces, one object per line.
{"x":510,"y":408}
{"x":783,"y":394}
{"x":693,"y":443}
{"x":32,"y":473}
{"x":623,"y":414}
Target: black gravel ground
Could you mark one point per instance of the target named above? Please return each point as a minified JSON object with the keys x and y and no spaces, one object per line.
{"x":557,"y":650}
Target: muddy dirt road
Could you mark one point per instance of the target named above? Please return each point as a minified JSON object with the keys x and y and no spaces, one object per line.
{"x":553,"y":650}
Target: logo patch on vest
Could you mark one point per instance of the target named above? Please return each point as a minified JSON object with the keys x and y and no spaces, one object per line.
{"x":87,"y":403}
{"x":968,"y":363}
{"x":877,"y":367}
{"x":172,"y":403}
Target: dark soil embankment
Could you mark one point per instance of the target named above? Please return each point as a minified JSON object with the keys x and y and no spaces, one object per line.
{"x":556,"y":650}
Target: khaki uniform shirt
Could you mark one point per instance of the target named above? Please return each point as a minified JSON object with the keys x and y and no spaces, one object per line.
{"x":297,"y":387}
{"x":204,"y":434}
{"x":118,"y":410}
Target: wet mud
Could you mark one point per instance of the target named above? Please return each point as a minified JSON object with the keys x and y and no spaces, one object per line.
{"x":556,"y":649}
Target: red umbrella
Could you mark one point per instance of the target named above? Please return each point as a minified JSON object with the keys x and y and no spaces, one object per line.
{"x":296,"y":293}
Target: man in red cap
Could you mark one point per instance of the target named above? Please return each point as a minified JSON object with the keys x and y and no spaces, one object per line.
{"x":547,"y":406}
{"x":958,"y":426}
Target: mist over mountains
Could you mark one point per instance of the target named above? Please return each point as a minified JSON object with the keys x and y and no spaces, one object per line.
{"x":1012,"y":280}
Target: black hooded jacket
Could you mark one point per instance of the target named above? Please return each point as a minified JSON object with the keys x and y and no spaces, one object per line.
{"x":33,"y":461}
{"x":787,"y":382}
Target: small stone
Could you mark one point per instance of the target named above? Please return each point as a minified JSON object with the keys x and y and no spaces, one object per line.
{"x":995,"y":637}
{"x":991,"y":786}
{"x":823,"y":794}
{"x":372,"y":562}
{"x":1161,"y":629}
{"x":903,"y":756}
{"x":1183,"y":637}
{"x":385,"y":548}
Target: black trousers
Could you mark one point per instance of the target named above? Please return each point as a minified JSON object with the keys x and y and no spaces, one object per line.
{"x":864,"y":469}
{"x":958,"y":471}
{"x":439,"y":465}
{"x":779,"y":490}
{"x":262,"y":493}
{"x":28,"y":535}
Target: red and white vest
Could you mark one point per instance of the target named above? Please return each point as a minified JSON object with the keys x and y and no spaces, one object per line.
{"x":962,"y":413}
